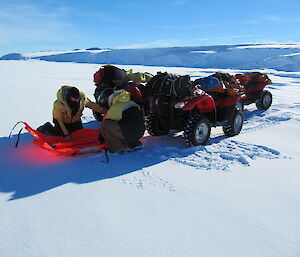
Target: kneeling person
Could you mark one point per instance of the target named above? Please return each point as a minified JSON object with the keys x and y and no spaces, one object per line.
{"x":68,"y":108}
{"x":123,"y":124}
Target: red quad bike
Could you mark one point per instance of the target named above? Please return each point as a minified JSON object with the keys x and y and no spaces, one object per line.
{"x":254,"y":84}
{"x":176,"y":104}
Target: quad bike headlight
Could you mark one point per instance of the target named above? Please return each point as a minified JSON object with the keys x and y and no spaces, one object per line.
{"x":180,"y":105}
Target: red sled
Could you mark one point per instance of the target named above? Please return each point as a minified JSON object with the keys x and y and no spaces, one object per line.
{"x":83,"y":141}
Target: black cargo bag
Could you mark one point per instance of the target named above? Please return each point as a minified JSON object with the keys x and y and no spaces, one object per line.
{"x":168,"y":84}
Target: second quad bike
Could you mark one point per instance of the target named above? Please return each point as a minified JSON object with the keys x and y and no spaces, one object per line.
{"x":254,"y":84}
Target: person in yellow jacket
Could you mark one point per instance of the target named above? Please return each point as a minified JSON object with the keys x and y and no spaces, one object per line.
{"x":68,"y":108}
{"x":123,"y":123}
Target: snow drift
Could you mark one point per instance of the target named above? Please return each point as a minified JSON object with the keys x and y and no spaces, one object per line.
{"x":283,"y":57}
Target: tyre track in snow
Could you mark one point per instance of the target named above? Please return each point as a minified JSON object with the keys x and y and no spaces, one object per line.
{"x":219,"y":154}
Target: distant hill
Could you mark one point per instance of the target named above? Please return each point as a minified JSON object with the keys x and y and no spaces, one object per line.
{"x":283,"y":57}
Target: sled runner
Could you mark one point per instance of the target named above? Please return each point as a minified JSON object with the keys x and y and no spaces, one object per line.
{"x":83,"y":141}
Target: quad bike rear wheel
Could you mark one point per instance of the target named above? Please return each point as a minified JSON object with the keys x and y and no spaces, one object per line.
{"x":234,"y":123}
{"x":154,"y":126}
{"x":265,"y":100}
{"x":197,"y":130}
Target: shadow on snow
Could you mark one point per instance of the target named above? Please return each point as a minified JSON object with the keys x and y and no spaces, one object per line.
{"x":29,"y":170}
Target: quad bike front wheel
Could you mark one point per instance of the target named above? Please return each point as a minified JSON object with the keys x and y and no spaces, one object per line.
{"x":240,"y":104}
{"x":234,"y":123}
{"x":265,"y":100}
{"x":197,"y":130}
{"x":154,"y":126}
{"x":97,"y":115}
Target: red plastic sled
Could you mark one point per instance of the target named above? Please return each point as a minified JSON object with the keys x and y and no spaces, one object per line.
{"x":83,"y":141}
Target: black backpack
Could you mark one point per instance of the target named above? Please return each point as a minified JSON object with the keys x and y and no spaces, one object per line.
{"x":168,"y":84}
{"x":107,"y":76}
{"x":161,"y":84}
{"x":182,"y":86}
{"x":48,"y":129}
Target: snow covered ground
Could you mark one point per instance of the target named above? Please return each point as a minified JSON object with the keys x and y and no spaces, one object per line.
{"x":237,"y":196}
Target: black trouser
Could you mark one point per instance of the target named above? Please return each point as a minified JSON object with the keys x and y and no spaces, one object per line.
{"x":71,"y":127}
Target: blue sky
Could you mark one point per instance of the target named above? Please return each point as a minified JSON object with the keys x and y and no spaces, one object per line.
{"x":31,"y":25}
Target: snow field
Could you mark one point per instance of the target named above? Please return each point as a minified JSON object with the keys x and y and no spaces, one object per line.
{"x":236,"y":196}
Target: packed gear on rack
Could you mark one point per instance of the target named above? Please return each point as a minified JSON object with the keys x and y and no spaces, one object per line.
{"x":252,"y":78}
{"x":109,"y":76}
{"x":223,"y":83}
{"x":139,"y":77}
